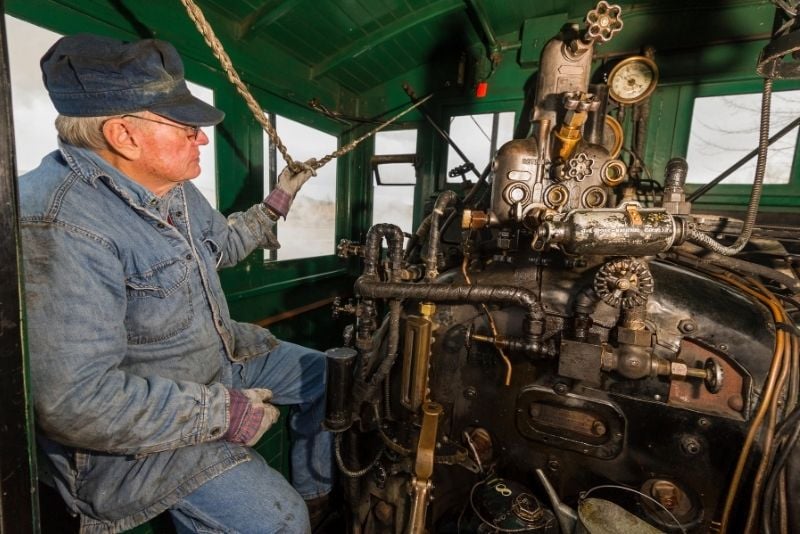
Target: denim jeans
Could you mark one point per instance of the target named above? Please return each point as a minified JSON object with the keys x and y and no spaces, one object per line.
{"x":252,"y":497}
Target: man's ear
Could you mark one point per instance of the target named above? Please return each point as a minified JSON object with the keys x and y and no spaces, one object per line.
{"x":122,"y":139}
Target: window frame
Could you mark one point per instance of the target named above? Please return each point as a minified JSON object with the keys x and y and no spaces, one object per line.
{"x":274,"y":161}
{"x":417,"y":163}
{"x":473,"y":108}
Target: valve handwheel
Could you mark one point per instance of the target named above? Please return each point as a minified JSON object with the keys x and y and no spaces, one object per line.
{"x":624,"y":282}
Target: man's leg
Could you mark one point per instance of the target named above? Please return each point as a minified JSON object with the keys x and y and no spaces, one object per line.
{"x":296,"y":376}
{"x":251,"y":498}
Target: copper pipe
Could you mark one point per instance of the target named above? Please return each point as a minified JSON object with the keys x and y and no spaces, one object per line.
{"x":768,"y":444}
{"x":769,"y":432}
{"x":767,"y":392}
{"x":492,"y":324}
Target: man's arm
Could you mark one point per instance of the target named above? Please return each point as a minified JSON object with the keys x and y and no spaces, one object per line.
{"x":75,"y":307}
{"x":242,"y":232}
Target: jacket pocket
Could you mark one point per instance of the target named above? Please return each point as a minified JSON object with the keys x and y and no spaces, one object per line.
{"x":159,"y":302}
{"x":251,"y":341}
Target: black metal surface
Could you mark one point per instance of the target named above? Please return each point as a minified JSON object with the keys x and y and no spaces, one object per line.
{"x":17,"y":491}
{"x":620,"y":431}
{"x":339,"y":390}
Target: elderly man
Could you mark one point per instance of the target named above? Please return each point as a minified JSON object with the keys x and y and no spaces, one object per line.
{"x":147,"y":395}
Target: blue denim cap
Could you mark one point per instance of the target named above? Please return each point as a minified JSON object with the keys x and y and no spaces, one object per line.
{"x":91,"y":76}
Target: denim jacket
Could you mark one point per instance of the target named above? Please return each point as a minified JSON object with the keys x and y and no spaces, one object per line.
{"x":129,"y":334}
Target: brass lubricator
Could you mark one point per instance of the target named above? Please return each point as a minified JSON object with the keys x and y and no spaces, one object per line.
{"x":421,"y":483}
{"x":578,"y":105}
{"x":416,"y":357}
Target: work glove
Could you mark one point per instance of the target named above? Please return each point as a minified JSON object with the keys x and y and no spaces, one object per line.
{"x":250,"y":415}
{"x":289,"y":183}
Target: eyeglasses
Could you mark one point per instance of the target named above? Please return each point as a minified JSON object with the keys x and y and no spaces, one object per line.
{"x":191,"y":131}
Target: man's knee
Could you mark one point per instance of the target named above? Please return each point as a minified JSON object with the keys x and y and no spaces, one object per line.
{"x":286,"y":513}
{"x":251,"y":497}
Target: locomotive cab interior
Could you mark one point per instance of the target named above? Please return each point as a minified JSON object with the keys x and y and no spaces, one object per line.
{"x":552,"y":249}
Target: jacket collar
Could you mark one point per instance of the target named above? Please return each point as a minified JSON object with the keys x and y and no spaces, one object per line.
{"x":88,"y":164}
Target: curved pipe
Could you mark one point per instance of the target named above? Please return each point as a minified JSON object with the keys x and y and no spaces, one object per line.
{"x":585,"y":305}
{"x":534,"y":315}
{"x":372,"y":249}
{"x":444,"y":199}
{"x":699,"y":238}
{"x":372,"y":252}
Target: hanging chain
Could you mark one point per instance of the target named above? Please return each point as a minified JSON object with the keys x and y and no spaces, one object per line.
{"x":219,"y":52}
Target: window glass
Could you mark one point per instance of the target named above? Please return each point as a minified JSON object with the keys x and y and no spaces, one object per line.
{"x":725,"y":128}
{"x":473,"y":134}
{"x":207,"y":181}
{"x":395,"y":203}
{"x":309,"y":229}
{"x":34,"y":115}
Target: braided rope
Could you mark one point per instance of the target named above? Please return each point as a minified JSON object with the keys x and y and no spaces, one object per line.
{"x":219,"y":52}
{"x":225,"y":61}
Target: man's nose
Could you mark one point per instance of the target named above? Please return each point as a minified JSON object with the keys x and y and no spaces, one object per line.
{"x":202,"y":138}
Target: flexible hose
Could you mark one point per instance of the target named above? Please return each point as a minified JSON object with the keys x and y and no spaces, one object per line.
{"x":706,"y":241}
{"x":346,"y":470}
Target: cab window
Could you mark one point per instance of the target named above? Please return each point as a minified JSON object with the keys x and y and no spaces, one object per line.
{"x":394,"y":178}
{"x":310,"y":226}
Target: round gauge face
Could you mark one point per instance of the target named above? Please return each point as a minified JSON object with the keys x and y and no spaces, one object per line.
{"x":632,"y":80}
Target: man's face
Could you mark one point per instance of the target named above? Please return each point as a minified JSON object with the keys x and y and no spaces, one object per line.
{"x":170,"y":150}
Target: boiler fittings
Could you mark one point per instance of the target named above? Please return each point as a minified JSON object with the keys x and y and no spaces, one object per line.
{"x":628,"y":230}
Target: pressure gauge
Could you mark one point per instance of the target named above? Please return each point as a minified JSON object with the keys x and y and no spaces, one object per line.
{"x":632,"y":80}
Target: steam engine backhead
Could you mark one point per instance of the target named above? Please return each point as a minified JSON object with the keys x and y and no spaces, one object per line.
{"x":569,"y":346}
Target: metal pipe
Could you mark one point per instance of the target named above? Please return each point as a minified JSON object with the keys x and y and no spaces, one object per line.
{"x":699,"y":238}
{"x":372,"y":248}
{"x":380,"y":159}
{"x":491,"y":42}
{"x":596,"y":121}
{"x":533,"y":324}
{"x":410,"y":92}
{"x":444,"y":199}
{"x":372,"y":251}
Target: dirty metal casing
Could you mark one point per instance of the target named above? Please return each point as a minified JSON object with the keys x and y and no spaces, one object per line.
{"x":341,"y":362}
{"x":517,"y":179}
{"x":614,"y":231}
{"x":569,"y":65}
{"x":522,"y":184}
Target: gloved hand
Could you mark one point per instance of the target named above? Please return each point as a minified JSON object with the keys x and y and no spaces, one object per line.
{"x":280,"y":199}
{"x":250,"y":415}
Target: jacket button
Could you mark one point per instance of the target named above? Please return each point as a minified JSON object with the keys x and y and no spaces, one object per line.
{"x":215,"y":431}
{"x":161,"y":225}
{"x":189,"y":257}
{"x":178,"y":214}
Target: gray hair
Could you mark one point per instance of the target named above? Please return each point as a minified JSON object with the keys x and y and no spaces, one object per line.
{"x":83,"y":132}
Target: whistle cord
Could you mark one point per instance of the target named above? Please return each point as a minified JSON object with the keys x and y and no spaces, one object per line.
{"x":196,"y":14}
